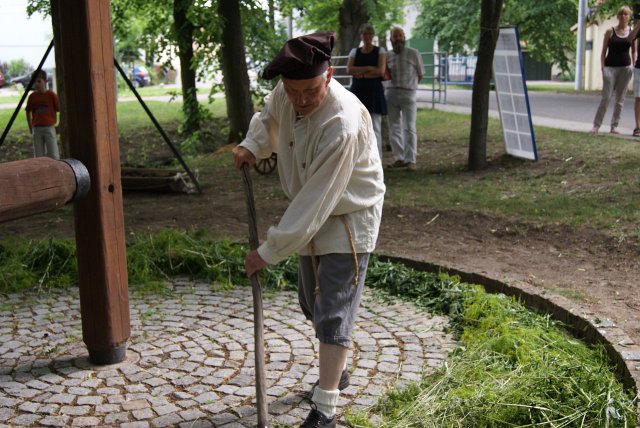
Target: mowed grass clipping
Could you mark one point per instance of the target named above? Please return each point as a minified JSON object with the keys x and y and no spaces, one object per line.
{"x":152,"y":260}
{"x":513,"y":368}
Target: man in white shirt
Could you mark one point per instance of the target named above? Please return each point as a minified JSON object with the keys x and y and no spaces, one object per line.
{"x":330,"y":170}
{"x":407,"y":70}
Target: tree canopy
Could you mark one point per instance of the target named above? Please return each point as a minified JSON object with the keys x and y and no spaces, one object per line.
{"x":192,"y":30}
{"x":345,"y":16}
{"x":544,"y":26}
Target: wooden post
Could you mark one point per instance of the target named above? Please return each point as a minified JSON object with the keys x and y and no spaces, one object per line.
{"x":36,"y":185}
{"x":88,"y":79}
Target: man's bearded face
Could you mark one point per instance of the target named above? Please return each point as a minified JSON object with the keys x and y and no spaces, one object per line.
{"x":398,"y":46}
{"x":397,"y":41}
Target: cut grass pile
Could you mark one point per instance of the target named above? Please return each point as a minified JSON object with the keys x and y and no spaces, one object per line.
{"x":514,"y":368}
{"x":152,"y":259}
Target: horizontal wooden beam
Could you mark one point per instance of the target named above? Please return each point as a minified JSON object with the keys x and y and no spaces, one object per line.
{"x":37,"y":185}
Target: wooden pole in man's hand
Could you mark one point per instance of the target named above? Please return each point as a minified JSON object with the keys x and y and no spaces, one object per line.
{"x":258,"y":322}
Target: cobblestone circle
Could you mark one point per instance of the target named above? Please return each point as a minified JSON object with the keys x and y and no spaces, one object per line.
{"x":190,"y":360}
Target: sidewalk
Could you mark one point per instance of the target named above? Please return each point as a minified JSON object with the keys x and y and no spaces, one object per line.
{"x":190,"y":360}
{"x":573,"y":111}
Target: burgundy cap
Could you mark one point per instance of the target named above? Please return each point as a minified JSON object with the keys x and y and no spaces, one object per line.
{"x":303,"y":57}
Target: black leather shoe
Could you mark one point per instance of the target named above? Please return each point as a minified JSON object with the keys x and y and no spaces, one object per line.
{"x":316,"y":419}
{"x":345,"y":381}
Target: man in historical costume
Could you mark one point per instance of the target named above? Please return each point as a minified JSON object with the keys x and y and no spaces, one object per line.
{"x":330,"y":170}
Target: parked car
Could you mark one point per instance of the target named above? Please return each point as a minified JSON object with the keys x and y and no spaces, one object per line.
{"x":26,"y":78}
{"x":1,"y":79}
{"x":139,"y":76}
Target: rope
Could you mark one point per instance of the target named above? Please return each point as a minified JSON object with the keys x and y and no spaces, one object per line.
{"x":314,"y":262}
{"x":353,"y":249}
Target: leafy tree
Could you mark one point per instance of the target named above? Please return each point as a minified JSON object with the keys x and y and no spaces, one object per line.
{"x":544,"y":26}
{"x":183,"y":31}
{"x":18,"y":67}
{"x":610,"y":7}
{"x":261,"y":42}
{"x":141,"y":25}
{"x":346,"y":16}
{"x":199,"y":40}
{"x":545,"y":30}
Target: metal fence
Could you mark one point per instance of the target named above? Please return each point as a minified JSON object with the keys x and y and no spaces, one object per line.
{"x":460,"y":69}
{"x":432,"y":88}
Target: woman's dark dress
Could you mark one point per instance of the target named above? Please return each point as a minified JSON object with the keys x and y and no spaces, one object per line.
{"x":369,"y":91}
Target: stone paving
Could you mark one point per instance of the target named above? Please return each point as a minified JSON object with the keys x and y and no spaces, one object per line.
{"x":190,"y":360}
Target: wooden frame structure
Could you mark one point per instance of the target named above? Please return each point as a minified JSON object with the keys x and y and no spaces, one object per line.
{"x":86,"y":43}
{"x":92,"y":177}
{"x":33,"y":186}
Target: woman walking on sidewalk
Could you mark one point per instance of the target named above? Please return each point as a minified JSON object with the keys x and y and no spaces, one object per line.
{"x":616,"y":69}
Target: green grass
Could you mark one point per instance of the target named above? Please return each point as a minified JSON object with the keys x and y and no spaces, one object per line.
{"x":138,"y":136}
{"x":123,"y":92}
{"x":130,"y":114}
{"x":37,"y":264}
{"x":514,"y":367}
{"x":551,"y":87}
{"x":579,"y":180}
{"x":156,"y":90}
{"x":152,"y":260}
{"x":537,"y":86}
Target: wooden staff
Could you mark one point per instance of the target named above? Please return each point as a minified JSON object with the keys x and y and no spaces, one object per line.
{"x":258,"y":322}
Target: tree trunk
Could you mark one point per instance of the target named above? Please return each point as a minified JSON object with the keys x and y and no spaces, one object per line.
{"x":234,"y":70}
{"x":184,"y":37}
{"x":489,"y":20}
{"x":353,"y":13}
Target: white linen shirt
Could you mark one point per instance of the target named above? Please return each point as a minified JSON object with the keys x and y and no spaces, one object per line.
{"x":329,"y":166}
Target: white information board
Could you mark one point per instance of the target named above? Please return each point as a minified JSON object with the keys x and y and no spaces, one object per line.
{"x":513,"y":100}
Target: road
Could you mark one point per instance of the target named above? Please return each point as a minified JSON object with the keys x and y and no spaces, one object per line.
{"x":572,"y":111}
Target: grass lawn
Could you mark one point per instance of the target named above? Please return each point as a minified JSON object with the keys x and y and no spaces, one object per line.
{"x":580,"y":179}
